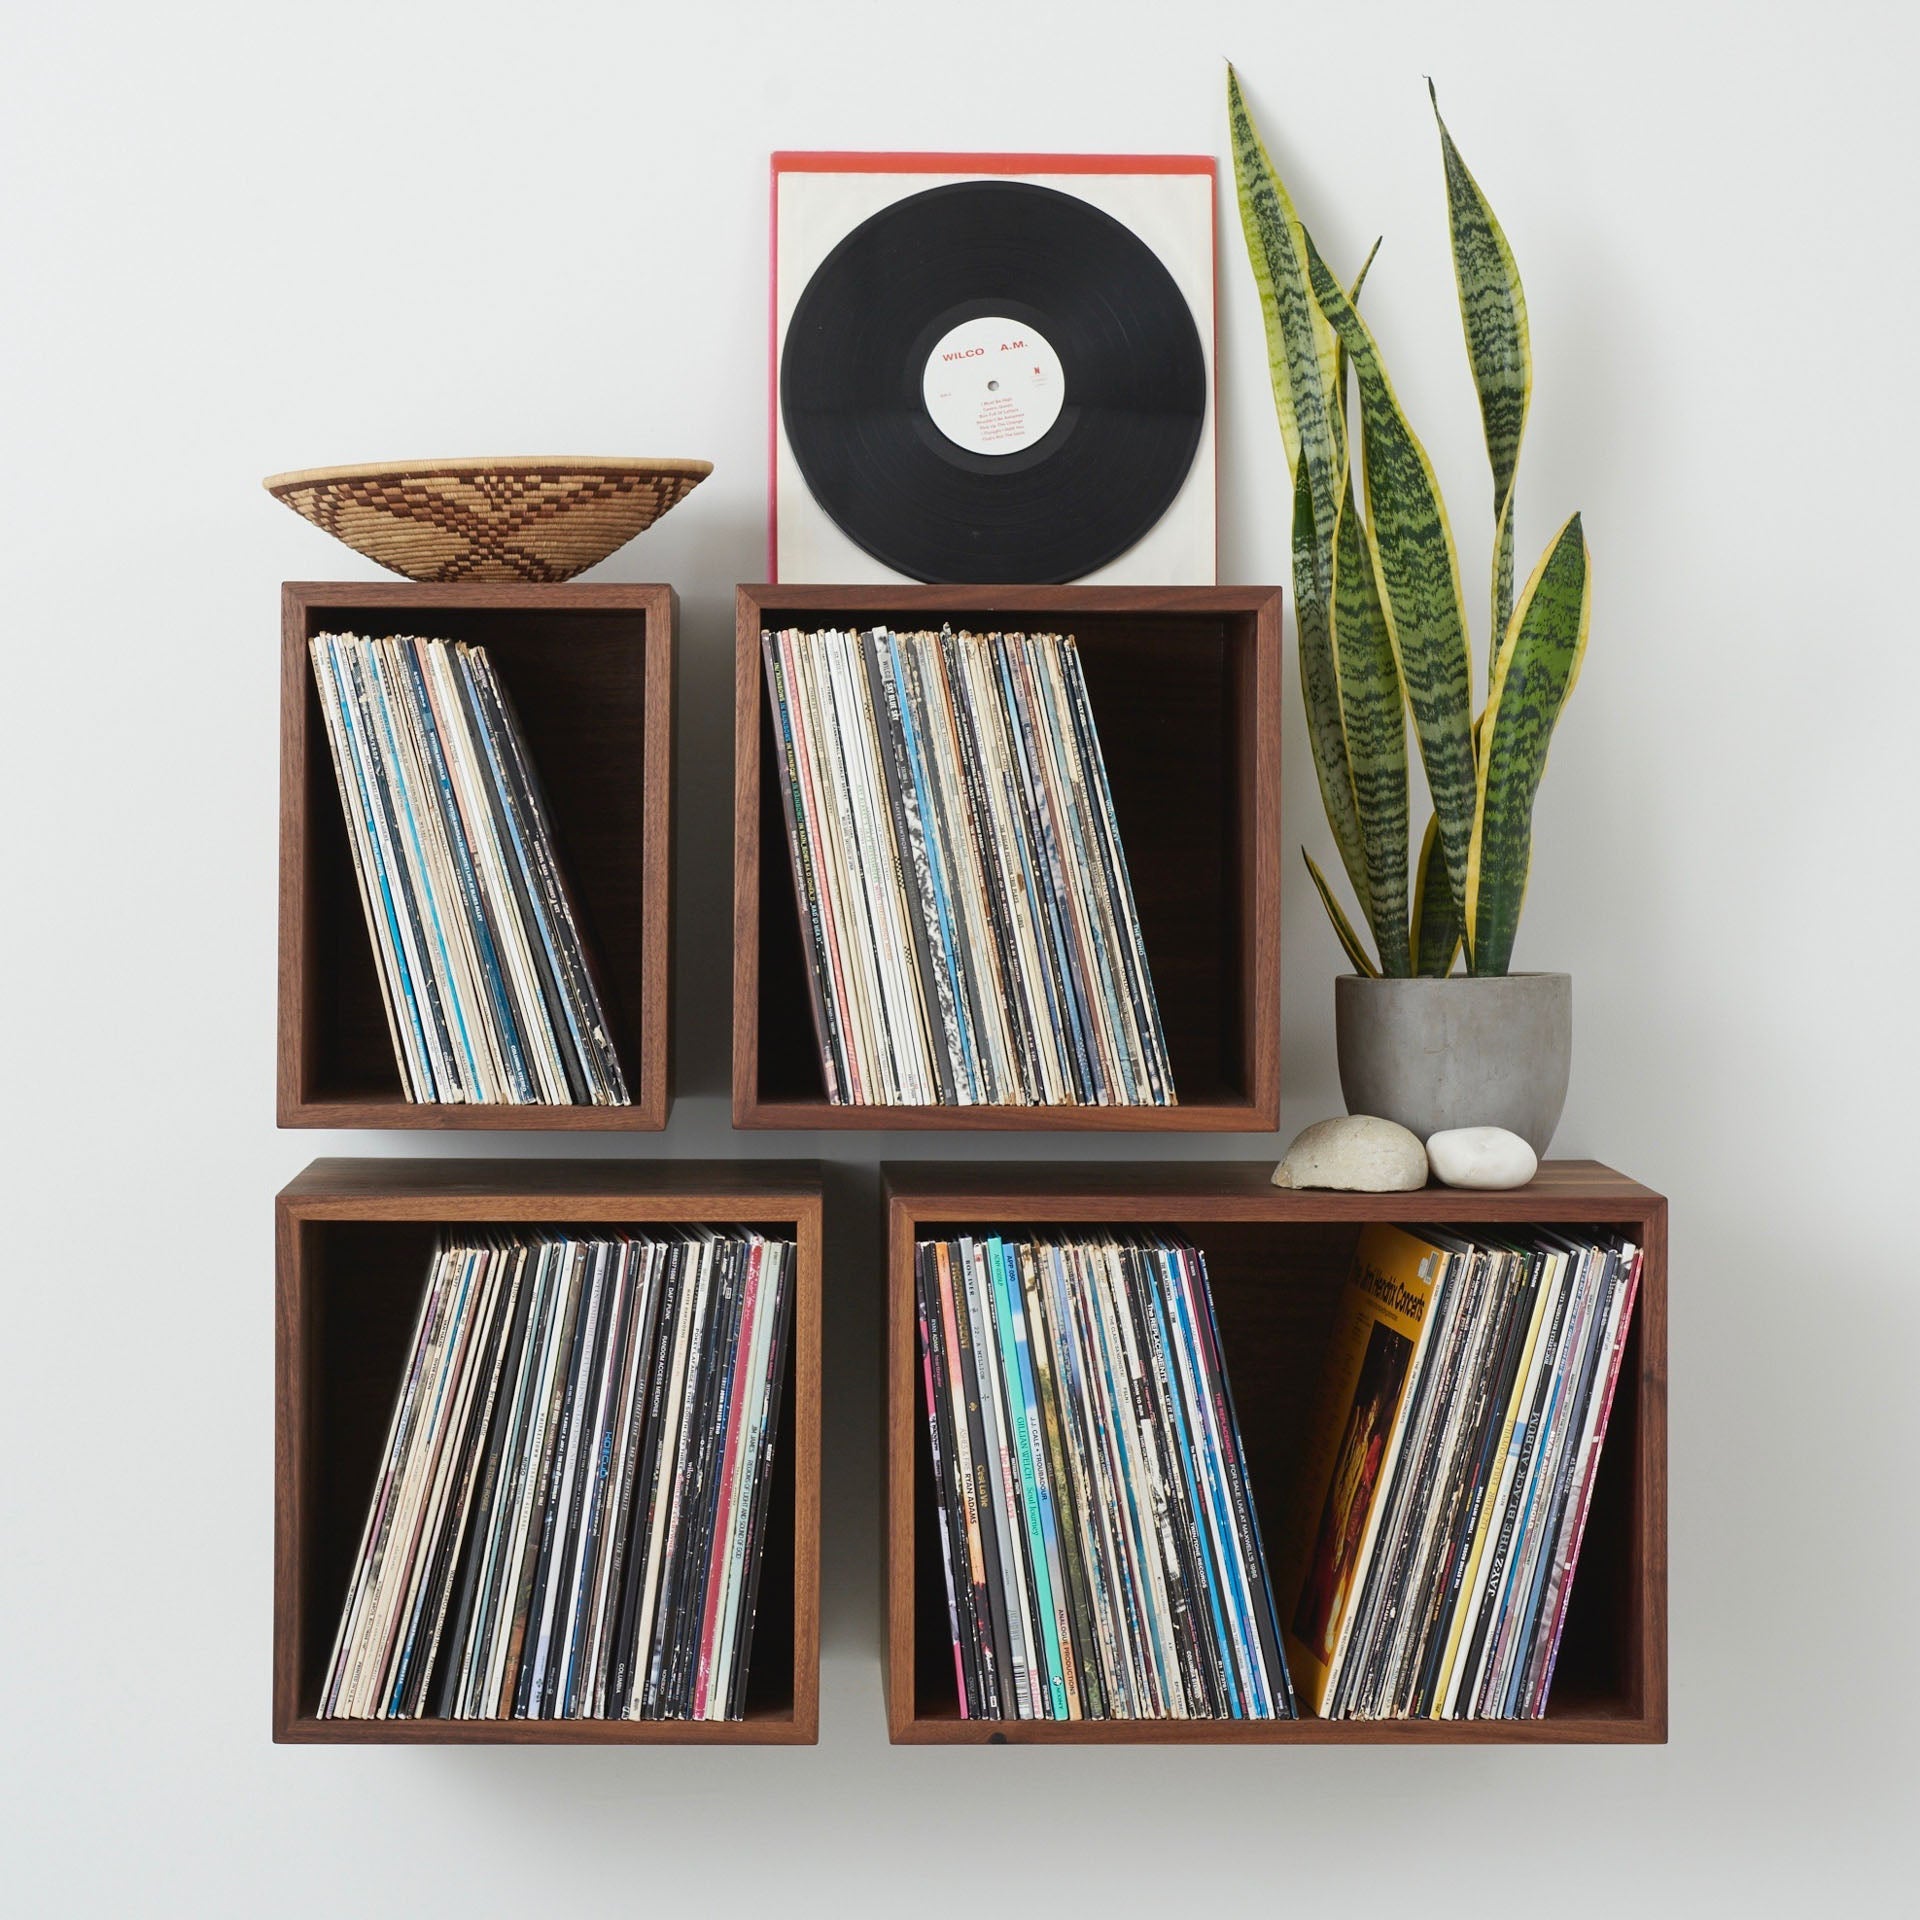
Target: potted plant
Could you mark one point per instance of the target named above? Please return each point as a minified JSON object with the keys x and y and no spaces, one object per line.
{"x":1383,"y":637}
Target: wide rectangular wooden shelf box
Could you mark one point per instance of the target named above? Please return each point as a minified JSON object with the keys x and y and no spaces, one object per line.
{"x":590,"y":672}
{"x":1185,"y":688}
{"x":1276,"y":1262}
{"x":353,"y":1240}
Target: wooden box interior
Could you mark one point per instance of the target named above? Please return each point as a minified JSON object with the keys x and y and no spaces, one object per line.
{"x":577,"y":677}
{"x":1174,"y":702}
{"x":1276,"y":1263}
{"x":361,"y":1293}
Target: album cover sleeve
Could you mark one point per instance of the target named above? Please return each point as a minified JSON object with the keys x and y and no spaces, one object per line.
{"x":763,"y":1497}
{"x":1382,"y":1318}
{"x":1567,"y":1556}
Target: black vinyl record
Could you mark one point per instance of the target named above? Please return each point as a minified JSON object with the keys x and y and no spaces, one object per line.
{"x":1114,"y":389}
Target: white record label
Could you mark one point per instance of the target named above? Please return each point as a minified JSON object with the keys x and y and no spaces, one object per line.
{"x":993,"y":386}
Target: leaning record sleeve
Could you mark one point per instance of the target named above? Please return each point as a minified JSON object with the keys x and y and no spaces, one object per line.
{"x":466,"y":1457}
{"x":596,"y":1461}
{"x":442,"y":769}
{"x":696,"y":1310}
{"x":394,"y":1548}
{"x":404,"y":1023}
{"x":455,"y":1071}
{"x":422,"y":841}
{"x":939,"y":1009}
{"x":941,"y":1454}
{"x":519,"y":1464}
{"x":1027,"y":1663}
{"x":523,"y":1559}
{"x":406,"y":1410}
{"x":1211,"y":1566}
{"x":620,"y":1676}
{"x":1567,"y":1551}
{"x":534,"y":1688}
{"x":527,"y":799}
{"x":807,"y":884}
{"x":723,"y":1373}
{"x":515,"y":887}
{"x":990,"y":1581}
{"x":410,"y":1595}
{"x":763,"y":1495}
{"x":485,"y":1497}
{"x":749,"y":1444}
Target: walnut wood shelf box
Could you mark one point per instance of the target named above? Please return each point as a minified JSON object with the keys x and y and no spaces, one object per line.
{"x":1276,"y":1261}
{"x":590,"y":670}
{"x":1185,"y":687}
{"x":353,"y":1239}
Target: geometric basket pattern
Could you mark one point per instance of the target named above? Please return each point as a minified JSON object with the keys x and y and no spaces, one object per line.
{"x":507,"y":519}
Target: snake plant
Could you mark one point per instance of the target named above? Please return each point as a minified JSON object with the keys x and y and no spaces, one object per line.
{"x":1378,"y":605}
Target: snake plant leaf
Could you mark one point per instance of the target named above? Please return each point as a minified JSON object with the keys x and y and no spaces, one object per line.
{"x":1320,"y":695}
{"x":1342,"y":926}
{"x":1406,"y":524}
{"x":1340,"y":353}
{"x":1502,"y":588}
{"x":1436,"y":926}
{"x":1536,"y":672}
{"x":1375,"y":724}
{"x":1493,"y":313}
{"x":1301,"y":350}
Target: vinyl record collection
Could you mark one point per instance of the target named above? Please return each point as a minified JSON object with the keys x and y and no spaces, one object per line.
{"x":487,"y":989}
{"x":964,"y":899}
{"x":572,"y":1502}
{"x":1102,"y":1555}
{"x":1464,"y":1408}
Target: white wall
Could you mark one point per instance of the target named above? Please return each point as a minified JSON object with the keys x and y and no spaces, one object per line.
{"x":238,"y":240}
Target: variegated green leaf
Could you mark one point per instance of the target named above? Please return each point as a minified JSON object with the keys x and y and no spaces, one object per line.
{"x":1436,"y":926}
{"x":1300,"y":344}
{"x":1537,"y":669}
{"x":1342,"y":926}
{"x":1376,"y":734}
{"x":1493,"y":312}
{"x":1419,"y":578}
{"x":1340,"y":356}
{"x":1320,"y":695}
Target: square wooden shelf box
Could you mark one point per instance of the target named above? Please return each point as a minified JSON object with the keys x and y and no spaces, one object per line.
{"x":1276,"y":1262}
{"x":353,"y":1239}
{"x":590,"y":670}
{"x":1185,"y":688}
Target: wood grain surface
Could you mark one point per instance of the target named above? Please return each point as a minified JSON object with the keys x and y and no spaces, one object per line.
{"x":591,"y":673}
{"x":1276,"y":1262}
{"x":353,"y":1238}
{"x":1185,"y":688}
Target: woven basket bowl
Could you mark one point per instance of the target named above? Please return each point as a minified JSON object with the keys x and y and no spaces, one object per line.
{"x":507,"y":519}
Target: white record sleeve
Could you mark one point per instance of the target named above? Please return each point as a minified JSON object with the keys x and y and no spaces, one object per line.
{"x":1166,"y":201}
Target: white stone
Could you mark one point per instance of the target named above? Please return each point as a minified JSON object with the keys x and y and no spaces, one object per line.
{"x":1485,"y":1157}
{"x":1357,"y":1153}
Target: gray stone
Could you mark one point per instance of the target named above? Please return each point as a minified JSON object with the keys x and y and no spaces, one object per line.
{"x":1485,"y":1157}
{"x":1357,"y":1153}
{"x":1464,"y":1052}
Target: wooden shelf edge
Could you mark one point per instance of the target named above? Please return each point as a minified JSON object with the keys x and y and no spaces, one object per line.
{"x":790,"y":1187}
{"x":415,"y":1116}
{"x":623,"y":595}
{"x":1244,"y":1189}
{"x":1198,"y":1117}
{"x":1588,"y":1729}
{"x":764,"y":1731}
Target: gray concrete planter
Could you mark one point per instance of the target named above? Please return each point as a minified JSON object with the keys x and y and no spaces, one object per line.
{"x":1457,"y":1052}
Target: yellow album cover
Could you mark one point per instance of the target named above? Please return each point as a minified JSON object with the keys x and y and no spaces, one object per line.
{"x":1351,"y":1447}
